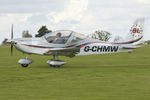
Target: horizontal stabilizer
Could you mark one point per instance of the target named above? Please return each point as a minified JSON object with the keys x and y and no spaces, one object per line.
{"x":131,"y":47}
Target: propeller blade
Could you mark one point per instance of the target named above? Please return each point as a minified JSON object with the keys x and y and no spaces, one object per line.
{"x":11,"y":47}
{"x":12,"y":32}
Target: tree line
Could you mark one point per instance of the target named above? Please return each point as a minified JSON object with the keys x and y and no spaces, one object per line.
{"x":42,"y":31}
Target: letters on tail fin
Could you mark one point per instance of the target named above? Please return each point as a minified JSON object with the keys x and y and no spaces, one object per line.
{"x":135,"y":32}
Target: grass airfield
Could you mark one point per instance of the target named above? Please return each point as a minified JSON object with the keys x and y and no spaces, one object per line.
{"x":119,"y":76}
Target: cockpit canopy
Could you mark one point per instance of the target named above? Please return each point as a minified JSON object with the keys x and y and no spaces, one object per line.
{"x":64,"y":37}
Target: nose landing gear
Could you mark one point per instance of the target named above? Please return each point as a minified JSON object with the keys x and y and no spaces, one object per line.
{"x":24,"y":62}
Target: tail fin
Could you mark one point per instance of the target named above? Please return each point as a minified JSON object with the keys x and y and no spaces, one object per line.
{"x":136,"y":31}
{"x":135,"y":34}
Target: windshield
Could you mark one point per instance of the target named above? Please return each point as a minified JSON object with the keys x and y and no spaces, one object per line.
{"x":63,"y":37}
{"x":75,"y":37}
{"x":58,"y":37}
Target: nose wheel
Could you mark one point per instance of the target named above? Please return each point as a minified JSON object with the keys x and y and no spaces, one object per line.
{"x":25,"y":62}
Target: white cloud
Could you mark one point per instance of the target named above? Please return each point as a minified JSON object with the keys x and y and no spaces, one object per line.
{"x":31,"y":6}
{"x":73,"y":11}
{"x":8,"y":19}
{"x":144,"y":1}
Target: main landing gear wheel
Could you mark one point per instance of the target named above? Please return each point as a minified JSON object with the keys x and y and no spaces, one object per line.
{"x":55,"y":62}
{"x":55,"y":66}
{"x":24,"y":65}
{"x":24,"y":62}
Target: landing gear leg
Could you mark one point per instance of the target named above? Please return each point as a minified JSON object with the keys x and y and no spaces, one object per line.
{"x":55,"y":62}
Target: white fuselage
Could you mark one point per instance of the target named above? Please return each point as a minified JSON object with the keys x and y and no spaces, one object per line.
{"x":88,"y":47}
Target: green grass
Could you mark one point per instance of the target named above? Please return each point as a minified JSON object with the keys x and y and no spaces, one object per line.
{"x":99,"y":77}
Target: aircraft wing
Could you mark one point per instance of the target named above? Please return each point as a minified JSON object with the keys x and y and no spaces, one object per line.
{"x":64,"y":50}
{"x":71,"y":51}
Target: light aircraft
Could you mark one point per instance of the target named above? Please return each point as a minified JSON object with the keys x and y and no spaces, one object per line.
{"x":70,"y":44}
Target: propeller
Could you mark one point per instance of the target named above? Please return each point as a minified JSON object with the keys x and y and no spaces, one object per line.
{"x":11,"y":47}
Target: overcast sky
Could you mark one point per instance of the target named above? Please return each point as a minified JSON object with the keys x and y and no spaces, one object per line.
{"x":83,"y":16}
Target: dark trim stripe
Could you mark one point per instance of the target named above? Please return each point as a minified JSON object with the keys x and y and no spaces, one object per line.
{"x":37,"y":46}
{"x":128,"y":42}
